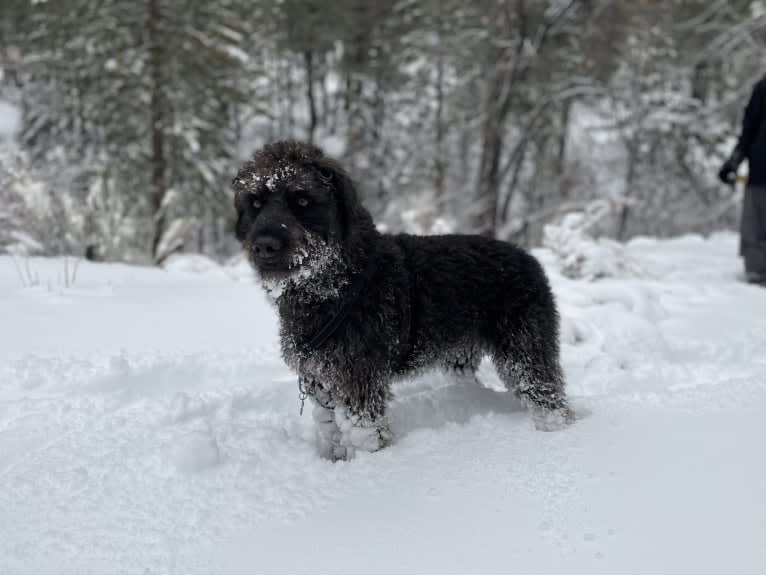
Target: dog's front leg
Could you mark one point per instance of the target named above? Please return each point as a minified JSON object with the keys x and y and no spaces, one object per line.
{"x":346,"y":425}
{"x":328,"y":432}
{"x":362,"y":423}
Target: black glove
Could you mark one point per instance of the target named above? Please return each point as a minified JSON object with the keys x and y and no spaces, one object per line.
{"x":728,"y":173}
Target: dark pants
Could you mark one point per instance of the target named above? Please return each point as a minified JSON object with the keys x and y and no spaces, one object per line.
{"x":753,"y":230}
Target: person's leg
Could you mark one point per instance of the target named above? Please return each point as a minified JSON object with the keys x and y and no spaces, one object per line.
{"x":754,"y":234}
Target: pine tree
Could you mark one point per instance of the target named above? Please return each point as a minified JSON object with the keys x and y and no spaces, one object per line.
{"x":494,"y":116}
{"x":141,"y":100}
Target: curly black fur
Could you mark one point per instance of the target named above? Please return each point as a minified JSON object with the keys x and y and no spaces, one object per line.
{"x":396,"y":303}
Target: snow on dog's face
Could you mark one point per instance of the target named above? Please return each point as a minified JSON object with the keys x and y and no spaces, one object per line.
{"x":289,"y":218}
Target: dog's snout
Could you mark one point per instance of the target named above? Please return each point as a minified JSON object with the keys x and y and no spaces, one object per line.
{"x":268,"y":247}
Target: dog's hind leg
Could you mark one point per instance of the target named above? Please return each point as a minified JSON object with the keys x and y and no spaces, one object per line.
{"x":528,"y":365}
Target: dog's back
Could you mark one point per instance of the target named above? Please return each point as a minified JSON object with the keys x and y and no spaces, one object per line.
{"x":472,"y":283}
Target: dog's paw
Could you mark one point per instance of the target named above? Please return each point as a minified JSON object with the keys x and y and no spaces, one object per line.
{"x":367,"y":438}
{"x":361,"y":434}
{"x":341,"y":435}
{"x":334,"y":452}
{"x":552,"y":419}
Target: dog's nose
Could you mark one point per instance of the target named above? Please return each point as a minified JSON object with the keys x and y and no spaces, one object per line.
{"x":267,"y":247}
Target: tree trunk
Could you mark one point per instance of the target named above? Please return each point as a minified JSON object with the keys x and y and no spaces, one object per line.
{"x":308,"y":59}
{"x":355,"y":113}
{"x":158,"y":159}
{"x":561,"y":156}
{"x":630,"y":175}
{"x":328,"y":106}
{"x":439,"y":151}
{"x":507,"y":68}
{"x":497,"y":108}
{"x":289,"y":98}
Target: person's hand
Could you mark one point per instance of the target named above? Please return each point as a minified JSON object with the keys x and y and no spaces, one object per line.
{"x":728,"y":173}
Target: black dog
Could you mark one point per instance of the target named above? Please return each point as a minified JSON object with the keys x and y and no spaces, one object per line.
{"x":358,"y":308}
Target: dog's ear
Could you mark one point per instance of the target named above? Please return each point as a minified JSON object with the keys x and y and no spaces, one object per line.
{"x":239,"y":233}
{"x":354,"y":218}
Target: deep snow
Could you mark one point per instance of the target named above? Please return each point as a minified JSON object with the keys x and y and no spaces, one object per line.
{"x":148,"y":426}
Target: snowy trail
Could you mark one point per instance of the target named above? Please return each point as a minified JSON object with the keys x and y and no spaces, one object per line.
{"x":147,"y":425}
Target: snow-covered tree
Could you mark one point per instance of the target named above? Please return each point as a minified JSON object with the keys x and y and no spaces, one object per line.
{"x":137,"y":103}
{"x":495,"y":116}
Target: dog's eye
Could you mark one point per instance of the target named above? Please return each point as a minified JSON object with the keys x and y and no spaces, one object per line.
{"x":302,"y":202}
{"x":257,"y":204}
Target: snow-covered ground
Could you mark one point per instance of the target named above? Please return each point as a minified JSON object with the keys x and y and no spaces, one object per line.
{"x":148,"y":426}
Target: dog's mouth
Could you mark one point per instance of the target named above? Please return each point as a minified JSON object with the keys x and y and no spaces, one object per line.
{"x":299,"y":266}
{"x":283,"y":266}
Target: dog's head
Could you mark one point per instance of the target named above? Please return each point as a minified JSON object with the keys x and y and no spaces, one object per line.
{"x":297,"y":211}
